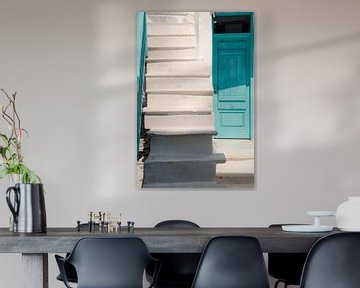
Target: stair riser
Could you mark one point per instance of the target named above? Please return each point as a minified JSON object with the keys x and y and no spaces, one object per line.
{"x":170,"y":13}
{"x":172,"y":106}
{"x":174,"y":55}
{"x":178,"y":68}
{"x":171,"y":19}
{"x":170,"y":30}
{"x":181,"y":84}
{"x":166,"y":111}
{"x":181,"y":144}
{"x":182,"y":92}
{"x":154,"y":122}
{"x":179,"y":100}
{"x":171,"y":42}
{"x":171,"y":172}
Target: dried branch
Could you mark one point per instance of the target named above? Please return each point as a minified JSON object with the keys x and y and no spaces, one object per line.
{"x":11,"y":156}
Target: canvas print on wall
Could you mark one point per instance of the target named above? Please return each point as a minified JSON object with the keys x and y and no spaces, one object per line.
{"x":195,"y":99}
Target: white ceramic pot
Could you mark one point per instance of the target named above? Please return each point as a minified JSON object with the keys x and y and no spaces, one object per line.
{"x":348,"y":214}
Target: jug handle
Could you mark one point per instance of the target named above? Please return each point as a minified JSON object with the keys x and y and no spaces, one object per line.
{"x":13,"y":208}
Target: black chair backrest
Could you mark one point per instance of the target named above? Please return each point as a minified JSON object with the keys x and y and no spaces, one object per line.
{"x":110,"y":262}
{"x":232,"y":262}
{"x":178,"y":269}
{"x":176,"y":224}
{"x":333,"y":262}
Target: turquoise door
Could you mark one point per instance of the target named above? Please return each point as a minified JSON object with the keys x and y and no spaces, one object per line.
{"x":232,"y":81}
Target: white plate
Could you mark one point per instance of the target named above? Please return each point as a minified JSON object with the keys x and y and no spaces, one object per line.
{"x":306,"y":228}
{"x":321,"y":213}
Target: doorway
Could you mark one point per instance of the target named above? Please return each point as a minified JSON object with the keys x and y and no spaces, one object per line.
{"x":233,"y":43}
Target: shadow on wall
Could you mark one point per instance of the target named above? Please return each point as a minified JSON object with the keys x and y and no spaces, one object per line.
{"x":278,"y":54}
{"x":313,"y":120}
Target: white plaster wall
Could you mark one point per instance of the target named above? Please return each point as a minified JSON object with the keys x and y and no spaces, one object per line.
{"x":73,"y":66}
{"x":205,"y":37}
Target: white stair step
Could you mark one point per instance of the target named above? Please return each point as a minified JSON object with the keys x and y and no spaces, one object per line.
{"x":171,"y":30}
{"x":235,"y":149}
{"x":171,"y":42}
{"x":178,"y":68}
{"x":232,"y":156}
{"x":205,"y":122}
{"x":166,"y":110}
{"x":185,"y":91}
{"x":176,"y":131}
{"x":170,"y":13}
{"x":171,"y":19}
{"x":172,"y":55}
{"x":162,"y":59}
{"x":178,"y":84}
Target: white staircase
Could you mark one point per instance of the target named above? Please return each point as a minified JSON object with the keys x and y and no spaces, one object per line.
{"x":179,"y":107}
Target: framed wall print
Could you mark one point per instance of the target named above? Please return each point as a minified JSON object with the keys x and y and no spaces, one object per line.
{"x":195,"y":99}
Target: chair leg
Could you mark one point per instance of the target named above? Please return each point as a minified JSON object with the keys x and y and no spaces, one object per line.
{"x":278,"y":282}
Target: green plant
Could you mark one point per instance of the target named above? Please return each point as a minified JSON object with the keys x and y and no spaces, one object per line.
{"x":11,"y":158}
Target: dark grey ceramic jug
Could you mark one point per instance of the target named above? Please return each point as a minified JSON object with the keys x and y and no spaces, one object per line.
{"x":28,"y":207}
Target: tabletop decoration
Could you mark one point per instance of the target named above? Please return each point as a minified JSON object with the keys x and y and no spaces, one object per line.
{"x":25,"y":197}
{"x":315,"y":227}
{"x":348,"y":214}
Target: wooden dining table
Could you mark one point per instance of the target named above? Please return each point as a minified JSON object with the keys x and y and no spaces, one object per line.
{"x":35,"y":247}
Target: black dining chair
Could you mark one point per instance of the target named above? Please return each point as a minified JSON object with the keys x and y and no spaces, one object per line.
{"x":70,"y":271}
{"x":286,"y":267}
{"x":333,"y":262}
{"x":178,"y":269}
{"x":232,"y":262}
{"x":108,"y":263}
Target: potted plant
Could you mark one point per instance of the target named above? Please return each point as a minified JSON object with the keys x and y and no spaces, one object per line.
{"x":26,"y":198}
{"x":11,"y":158}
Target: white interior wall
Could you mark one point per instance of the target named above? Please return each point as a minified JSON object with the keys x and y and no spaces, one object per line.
{"x":73,"y":66}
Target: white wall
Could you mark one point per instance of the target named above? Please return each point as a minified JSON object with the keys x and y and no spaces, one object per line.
{"x":205,"y":37}
{"x":73,"y":66}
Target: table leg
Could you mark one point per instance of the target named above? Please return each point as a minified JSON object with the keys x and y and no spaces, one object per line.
{"x":35,"y":270}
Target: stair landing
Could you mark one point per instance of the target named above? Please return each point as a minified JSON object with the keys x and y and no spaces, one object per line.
{"x":239,"y":166}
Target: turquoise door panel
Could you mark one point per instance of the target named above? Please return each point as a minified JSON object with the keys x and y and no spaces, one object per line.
{"x":233,"y":79}
{"x":226,"y":105}
{"x":233,"y":119}
{"x":232,"y":69}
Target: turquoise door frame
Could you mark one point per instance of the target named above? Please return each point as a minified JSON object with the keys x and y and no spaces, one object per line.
{"x":140,"y":69}
{"x":233,"y":82}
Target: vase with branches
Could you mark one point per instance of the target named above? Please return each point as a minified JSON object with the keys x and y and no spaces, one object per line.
{"x":11,"y":158}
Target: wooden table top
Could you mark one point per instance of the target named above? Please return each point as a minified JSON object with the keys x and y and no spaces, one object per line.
{"x":158,"y":240}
